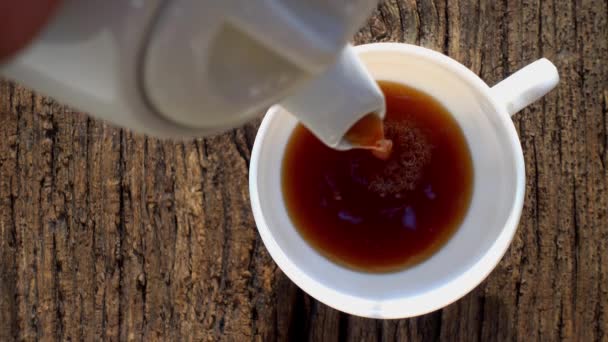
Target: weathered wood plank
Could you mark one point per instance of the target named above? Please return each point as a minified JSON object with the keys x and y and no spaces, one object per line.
{"x":105,"y":234}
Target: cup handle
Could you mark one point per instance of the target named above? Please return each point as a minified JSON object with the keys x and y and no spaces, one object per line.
{"x":526,"y":85}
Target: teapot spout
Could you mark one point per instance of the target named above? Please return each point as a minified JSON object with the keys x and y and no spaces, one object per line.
{"x":330,"y":104}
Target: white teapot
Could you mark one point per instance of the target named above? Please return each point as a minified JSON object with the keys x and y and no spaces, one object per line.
{"x":186,"y":68}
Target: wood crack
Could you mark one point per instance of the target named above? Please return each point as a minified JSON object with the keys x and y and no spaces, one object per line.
{"x":537,"y":208}
{"x":604,"y":135}
{"x":577,"y":241}
{"x":142,"y":279}
{"x":402,"y":25}
{"x":36,"y":304}
{"x":251,"y":284}
{"x":504,"y":46}
{"x":58,"y":297}
{"x":446,"y":34}
{"x":481,"y":313}
{"x":14,"y":193}
{"x":343,"y":327}
{"x":121,"y":229}
{"x":241,"y":146}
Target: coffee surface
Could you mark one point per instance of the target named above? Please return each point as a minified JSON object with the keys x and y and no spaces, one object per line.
{"x":382,"y":215}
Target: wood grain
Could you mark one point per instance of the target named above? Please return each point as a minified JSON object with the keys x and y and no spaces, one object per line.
{"x":105,"y":234}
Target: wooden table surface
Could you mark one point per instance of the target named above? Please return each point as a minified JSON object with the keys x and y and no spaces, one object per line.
{"x":107,"y":234}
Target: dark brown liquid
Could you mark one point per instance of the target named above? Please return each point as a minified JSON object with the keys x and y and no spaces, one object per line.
{"x":375,"y":215}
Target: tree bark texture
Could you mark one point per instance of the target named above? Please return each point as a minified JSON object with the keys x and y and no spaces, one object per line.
{"x":108,"y":235}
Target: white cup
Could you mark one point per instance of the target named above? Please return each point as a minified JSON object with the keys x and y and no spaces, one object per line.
{"x":479,"y":243}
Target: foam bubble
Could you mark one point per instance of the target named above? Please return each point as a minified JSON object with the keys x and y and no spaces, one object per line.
{"x":403,"y":171}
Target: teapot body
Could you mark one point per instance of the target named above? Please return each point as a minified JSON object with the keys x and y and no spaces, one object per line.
{"x":185,"y":68}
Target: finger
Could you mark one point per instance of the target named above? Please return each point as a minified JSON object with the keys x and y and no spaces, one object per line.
{"x":21,"y":21}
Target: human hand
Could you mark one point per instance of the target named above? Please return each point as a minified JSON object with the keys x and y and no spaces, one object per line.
{"x":21,"y":21}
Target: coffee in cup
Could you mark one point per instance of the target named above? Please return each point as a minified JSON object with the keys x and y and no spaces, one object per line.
{"x":483,"y":113}
{"x":379,"y":215}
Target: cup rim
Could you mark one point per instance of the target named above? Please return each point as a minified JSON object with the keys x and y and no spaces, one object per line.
{"x":435,"y":298}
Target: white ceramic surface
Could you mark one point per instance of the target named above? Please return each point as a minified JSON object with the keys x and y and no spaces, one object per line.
{"x":182,"y":68}
{"x":471,"y":254}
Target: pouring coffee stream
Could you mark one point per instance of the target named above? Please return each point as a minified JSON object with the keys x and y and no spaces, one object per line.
{"x":368,"y":133}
